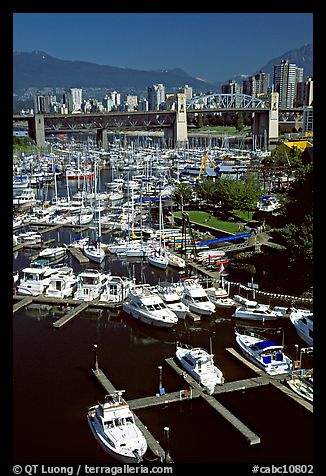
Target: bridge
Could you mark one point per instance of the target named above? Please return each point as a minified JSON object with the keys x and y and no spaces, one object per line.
{"x":173,"y":122}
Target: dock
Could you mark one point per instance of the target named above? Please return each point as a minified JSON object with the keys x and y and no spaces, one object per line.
{"x":64,"y":319}
{"x":275,"y":381}
{"x":24,"y":302}
{"x":224,"y":412}
{"x":108,"y":386}
{"x":78,"y":254}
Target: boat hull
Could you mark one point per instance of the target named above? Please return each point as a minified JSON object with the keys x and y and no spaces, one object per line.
{"x":146,"y":318}
{"x":109,"y":449}
{"x":270,"y":369}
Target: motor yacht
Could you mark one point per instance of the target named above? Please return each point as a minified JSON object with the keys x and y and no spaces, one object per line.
{"x":302,"y":319}
{"x":113,"y":425}
{"x":62,"y":284}
{"x":200,"y":365}
{"x":265,"y":353}
{"x":169,"y":295}
{"x":194,"y":296}
{"x":148,"y":307}
{"x":35,"y":279}
{"x":90,"y":285}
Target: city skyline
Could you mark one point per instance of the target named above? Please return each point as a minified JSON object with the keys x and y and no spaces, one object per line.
{"x":212,"y":46}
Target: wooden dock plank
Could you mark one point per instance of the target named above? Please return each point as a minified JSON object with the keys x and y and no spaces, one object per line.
{"x":42,"y":299}
{"x":22,"y":303}
{"x":79,"y":255}
{"x":250,"y":435}
{"x":64,"y":319}
{"x":152,"y":443}
{"x":240,"y":385}
{"x":246,"y":362}
{"x":154,"y":400}
{"x":104,"y":381}
{"x":293,"y":395}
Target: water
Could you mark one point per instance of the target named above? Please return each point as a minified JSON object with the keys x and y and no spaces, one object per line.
{"x":53,"y":384}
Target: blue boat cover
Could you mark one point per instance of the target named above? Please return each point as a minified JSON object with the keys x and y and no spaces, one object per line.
{"x":263,"y":344}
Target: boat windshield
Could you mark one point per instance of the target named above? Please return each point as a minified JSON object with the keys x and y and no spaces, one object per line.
{"x":200,"y":299}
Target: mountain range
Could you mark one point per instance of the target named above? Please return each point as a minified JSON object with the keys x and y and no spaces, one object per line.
{"x":38,"y":70}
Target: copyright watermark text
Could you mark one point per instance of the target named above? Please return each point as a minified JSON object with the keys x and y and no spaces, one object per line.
{"x":79,"y":470}
{"x":283,"y":469}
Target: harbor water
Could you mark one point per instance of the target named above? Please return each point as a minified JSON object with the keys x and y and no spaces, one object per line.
{"x":53,"y":385}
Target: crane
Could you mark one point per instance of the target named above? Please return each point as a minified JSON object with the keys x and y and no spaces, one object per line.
{"x":203,"y":165}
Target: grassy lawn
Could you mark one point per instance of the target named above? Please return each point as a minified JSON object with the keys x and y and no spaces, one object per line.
{"x":202,"y":218}
{"x":222,"y":130}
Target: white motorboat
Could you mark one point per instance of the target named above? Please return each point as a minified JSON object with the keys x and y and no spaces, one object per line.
{"x":29,"y":238}
{"x":220,"y":297}
{"x":35,"y":279}
{"x":54,"y":253}
{"x":116,"y":290}
{"x":148,"y":307}
{"x":302,"y":319}
{"x":169,"y":295}
{"x":90,"y":285}
{"x":268,"y":203}
{"x":26,"y":198}
{"x":194,"y":296}
{"x":255,"y":311}
{"x":63,"y":283}
{"x":265,"y":353}
{"x":302,"y":383}
{"x":175,"y":260}
{"x":113,"y":425}
{"x":200,"y":365}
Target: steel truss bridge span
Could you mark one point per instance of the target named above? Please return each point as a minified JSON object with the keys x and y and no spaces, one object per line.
{"x":222,"y":102}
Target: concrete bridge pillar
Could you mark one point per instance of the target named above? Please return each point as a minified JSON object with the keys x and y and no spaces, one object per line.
{"x":36,"y":129}
{"x":102,"y":139}
{"x":273,"y":116}
{"x":177,"y":133}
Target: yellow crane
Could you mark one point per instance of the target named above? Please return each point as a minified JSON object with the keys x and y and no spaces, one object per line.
{"x":203,"y":164}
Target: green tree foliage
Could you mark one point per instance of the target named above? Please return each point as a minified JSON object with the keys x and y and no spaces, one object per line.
{"x":280,"y":157}
{"x":239,"y":121}
{"x":297,"y":233}
{"x":183,"y":193}
{"x":207,"y":191}
{"x":238,"y":194}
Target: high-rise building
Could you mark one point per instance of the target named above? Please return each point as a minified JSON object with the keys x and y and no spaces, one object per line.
{"x":76,"y":95}
{"x":41,"y":104}
{"x":286,"y":78}
{"x":116,"y":98}
{"x":231,"y":88}
{"x":256,"y":85}
{"x":308,"y":119}
{"x":155,"y":96}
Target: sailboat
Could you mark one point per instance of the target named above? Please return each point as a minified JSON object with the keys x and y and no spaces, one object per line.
{"x":158,"y":257}
{"x":93,"y":249}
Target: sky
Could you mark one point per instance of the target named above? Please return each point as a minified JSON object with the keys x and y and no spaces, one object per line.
{"x":212,"y":46}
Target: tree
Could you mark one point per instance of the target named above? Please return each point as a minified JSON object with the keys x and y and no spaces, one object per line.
{"x":182,"y":194}
{"x":207,"y":191}
{"x":297,"y":232}
{"x":238,"y":194}
{"x":239,"y":121}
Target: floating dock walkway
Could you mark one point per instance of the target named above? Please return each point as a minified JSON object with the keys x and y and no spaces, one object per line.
{"x":229,"y":416}
{"x":153,"y":444}
{"x":273,"y":380}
